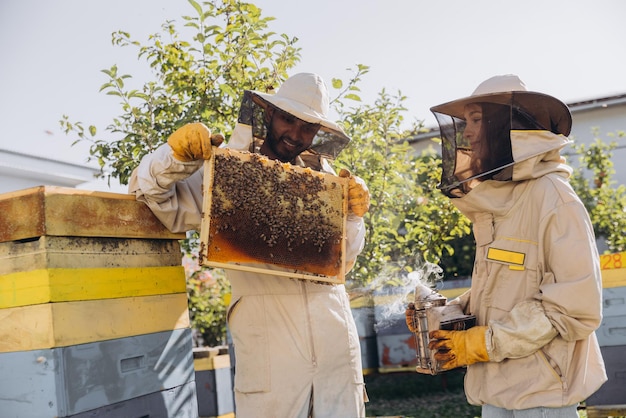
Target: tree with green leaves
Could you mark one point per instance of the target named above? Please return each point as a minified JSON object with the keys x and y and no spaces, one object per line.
{"x":410,"y":221}
{"x":604,"y":199}
{"x":230,"y":50}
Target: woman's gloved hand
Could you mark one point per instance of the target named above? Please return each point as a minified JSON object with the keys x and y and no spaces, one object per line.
{"x":193,"y":142}
{"x":358,"y":194}
{"x":459,"y":348}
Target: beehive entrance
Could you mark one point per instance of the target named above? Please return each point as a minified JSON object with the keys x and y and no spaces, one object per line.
{"x":265,"y":212}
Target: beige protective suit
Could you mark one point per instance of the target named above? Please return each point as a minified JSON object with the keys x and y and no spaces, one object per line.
{"x":536,"y":283}
{"x":296,"y":345}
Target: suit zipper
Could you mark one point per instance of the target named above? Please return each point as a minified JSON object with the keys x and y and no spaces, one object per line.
{"x":308,"y":323}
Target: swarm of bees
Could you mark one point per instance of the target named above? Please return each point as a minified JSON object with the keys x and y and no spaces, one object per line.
{"x":268,"y":212}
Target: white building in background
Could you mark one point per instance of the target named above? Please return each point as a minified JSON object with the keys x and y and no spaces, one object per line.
{"x":22,"y":171}
{"x":594,"y":118}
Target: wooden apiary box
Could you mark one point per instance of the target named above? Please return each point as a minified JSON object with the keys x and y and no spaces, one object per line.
{"x":214,"y":384}
{"x":180,"y":401}
{"x":613,"y":391}
{"x":85,"y":377}
{"x":260,"y":214}
{"x":60,"y":211}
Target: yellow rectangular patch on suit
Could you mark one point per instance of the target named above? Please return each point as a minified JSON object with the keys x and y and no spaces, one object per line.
{"x":505,"y":256}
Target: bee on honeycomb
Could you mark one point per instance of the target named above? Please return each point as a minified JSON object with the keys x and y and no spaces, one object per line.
{"x":265,"y":211}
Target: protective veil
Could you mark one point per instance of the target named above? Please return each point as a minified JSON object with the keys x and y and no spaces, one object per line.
{"x":296,"y":344}
{"x":541,"y":305}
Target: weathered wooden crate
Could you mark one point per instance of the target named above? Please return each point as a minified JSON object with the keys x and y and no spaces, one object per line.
{"x":93,"y":308}
{"x":60,"y":211}
{"x":362,"y":308}
{"x":58,"y":252}
{"x":613,"y":392}
{"x":80,"y":378}
{"x":76,"y":265}
{"x":606,"y":411}
{"x":612,"y":330}
{"x":214,"y":384}
{"x":50,"y":325}
{"x":266,"y":216}
{"x":79,"y":284}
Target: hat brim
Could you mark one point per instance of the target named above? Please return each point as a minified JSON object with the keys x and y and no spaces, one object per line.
{"x":549,"y":111}
{"x":299,"y":110}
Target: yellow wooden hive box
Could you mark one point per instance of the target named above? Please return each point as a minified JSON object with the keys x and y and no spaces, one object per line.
{"x":79,"y":266}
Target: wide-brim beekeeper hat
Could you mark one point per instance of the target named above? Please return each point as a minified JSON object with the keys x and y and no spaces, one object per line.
{"x":305,"y":96}
{"x":549,"y":112}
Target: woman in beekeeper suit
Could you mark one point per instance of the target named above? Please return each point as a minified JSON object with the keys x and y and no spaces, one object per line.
{"x":536,"y":285}
{"x":296,"y":344}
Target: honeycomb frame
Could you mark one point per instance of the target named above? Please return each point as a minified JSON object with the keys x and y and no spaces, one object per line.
{"x":265,"y":216}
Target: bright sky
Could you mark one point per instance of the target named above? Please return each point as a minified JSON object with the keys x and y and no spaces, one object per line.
{"x":52,"y":53}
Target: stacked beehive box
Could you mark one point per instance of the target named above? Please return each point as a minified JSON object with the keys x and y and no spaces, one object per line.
{"x":214,"y":382}
{"x":362,"y":307}
{"x":93,"y":308}
{"x":612,"y":338}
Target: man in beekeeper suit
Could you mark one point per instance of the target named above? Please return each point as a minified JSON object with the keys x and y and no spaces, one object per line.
{"x":296,"y":344}
{"x":536,"y":286}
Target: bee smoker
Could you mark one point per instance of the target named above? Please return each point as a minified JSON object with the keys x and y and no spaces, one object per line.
{"x":432,"y":313}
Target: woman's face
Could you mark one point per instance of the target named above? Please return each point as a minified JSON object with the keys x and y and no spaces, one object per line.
{"x":474,"y":134}
{"x":473,"y":115}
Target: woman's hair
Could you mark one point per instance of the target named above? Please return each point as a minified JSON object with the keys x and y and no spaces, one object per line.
{"x":494,"y":151}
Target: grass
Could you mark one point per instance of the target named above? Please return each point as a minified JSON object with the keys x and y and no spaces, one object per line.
{"x":414,"y":395}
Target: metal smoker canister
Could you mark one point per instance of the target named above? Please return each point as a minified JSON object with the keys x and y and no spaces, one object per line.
{"x":431,"y":313}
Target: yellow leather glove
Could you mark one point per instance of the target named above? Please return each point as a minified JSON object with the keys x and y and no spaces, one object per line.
{"x":358,"y":194}
{"x":459,"y":348}
{"x":193,"y":142}
{"x":409,"y":314}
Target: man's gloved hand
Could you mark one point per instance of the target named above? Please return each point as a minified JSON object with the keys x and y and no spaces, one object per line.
{"x":459,"y":348}
{"x":358,"y":194}
{"x":193,"y":142}
{"x":409,"y":314}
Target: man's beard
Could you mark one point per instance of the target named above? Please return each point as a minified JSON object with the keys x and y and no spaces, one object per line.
{"x":272,"y":142}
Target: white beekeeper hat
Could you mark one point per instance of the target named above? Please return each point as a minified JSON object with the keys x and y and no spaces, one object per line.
{"x":305,"y":96}
{"x":551,"y":113}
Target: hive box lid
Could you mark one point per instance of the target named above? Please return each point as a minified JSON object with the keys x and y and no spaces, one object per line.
{"x":60,"y":211}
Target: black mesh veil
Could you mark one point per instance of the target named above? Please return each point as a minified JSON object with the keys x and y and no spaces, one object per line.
{"x":482,"y":151}
{"x":326,"y":143}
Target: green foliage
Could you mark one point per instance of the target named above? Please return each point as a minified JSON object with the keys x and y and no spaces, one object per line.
{"x":409,"y":218}
{"x":231,"y":50}
{"x":605,"y":201}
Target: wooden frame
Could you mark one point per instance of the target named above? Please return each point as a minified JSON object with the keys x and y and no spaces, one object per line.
{"x":305,"y":211}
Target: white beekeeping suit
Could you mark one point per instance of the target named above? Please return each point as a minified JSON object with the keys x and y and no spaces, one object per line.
{"x":296,"y":344}
{"x":536,"y":287}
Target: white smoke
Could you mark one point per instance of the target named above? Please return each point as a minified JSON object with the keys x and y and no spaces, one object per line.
{"x":395,"y":287}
